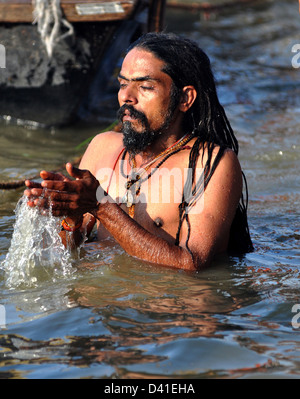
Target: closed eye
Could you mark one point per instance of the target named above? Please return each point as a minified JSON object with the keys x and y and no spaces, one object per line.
{"x":147,"y":87}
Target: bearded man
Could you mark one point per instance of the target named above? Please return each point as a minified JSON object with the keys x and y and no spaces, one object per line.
{"x":168,"y":187}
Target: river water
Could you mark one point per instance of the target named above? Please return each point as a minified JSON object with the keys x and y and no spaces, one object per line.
{"x":118,"y":317}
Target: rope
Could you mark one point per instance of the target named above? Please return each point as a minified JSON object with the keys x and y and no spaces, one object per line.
{"x":49,"y":19}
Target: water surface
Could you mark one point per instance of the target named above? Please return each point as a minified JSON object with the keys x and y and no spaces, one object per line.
{"x":118,"y":317}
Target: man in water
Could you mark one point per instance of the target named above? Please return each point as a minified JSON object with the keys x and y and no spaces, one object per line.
{"x":171,"y":121}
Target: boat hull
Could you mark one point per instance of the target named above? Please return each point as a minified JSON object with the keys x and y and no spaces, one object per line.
{"x":76,"y":83}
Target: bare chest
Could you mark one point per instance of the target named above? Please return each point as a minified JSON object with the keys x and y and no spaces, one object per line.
{"x":152,"y":197}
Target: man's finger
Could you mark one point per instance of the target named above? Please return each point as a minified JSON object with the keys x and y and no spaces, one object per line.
{"x":32,"y":184}
{"x":53,"y":176}
{"x":40,"y":202}
{"x":69,"y":186}
{"x":33,"y":192}
{"x":61,"y":196}
{"x":76,"y":172}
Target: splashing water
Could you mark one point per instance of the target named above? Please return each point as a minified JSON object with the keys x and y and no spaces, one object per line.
{"x":36,"y":250}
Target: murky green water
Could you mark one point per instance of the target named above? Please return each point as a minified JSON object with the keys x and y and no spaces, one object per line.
{"x":117,"y":317}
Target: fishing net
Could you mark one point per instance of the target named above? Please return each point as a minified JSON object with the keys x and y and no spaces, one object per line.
{"x":50,"y":22}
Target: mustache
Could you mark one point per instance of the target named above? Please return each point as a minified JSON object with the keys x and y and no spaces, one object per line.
{"x":133,"y":113}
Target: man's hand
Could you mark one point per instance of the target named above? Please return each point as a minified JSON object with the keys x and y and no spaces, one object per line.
{"x":65,"y":196}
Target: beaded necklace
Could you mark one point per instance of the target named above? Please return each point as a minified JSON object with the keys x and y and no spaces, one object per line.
{"x":134,"y":179}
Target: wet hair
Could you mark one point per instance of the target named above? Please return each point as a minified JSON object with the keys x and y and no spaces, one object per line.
{"x":188,"y":65}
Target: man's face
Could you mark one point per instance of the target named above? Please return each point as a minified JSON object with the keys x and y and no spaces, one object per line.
{"x":145,"y":99}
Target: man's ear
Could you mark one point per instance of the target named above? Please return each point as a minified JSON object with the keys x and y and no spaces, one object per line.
{"x":188,"y":97}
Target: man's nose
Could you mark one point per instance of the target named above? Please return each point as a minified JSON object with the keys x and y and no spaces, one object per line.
{"x":128,"y":95}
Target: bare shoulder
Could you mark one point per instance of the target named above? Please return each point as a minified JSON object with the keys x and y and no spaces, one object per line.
{"x":105,"y":142}
{"x":229,"y":157}
{"x":101,"y":150}
{"x":213,"y":213}
{"x":107,"y":137}
{"x":230,"y":162}
{"x":224,"y":188}
{"x":227,"y":166}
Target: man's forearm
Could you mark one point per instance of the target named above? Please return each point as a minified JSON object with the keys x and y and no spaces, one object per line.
{"x":73,"y":239}
{"x":137,"y":241}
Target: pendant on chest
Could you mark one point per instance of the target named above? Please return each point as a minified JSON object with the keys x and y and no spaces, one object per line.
{"x":132,"y":192}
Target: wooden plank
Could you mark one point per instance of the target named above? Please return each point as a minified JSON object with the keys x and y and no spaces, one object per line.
{"x":74,"y":10}
{"x":15,"y":2}
{"x":91,"y":11}
{"x":16,"y":13}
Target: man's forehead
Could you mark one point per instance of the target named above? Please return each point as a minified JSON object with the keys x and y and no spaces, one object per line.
{"x":140,"y":64}
{"x":139,"y":78}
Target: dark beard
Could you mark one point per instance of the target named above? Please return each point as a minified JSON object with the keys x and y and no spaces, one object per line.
{"x":135,"y":142}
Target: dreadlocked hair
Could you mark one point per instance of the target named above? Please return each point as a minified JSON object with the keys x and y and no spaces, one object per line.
{"x":188,"y":65}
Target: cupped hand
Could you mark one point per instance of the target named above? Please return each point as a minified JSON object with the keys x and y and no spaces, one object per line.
{"x":35,"y":192}
{"x":64,"y":196}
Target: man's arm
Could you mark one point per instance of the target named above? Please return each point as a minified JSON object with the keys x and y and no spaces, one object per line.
{"x":138,"y":242}
{"x":73,"y":239}
{"x":209,"y":224}
{"x":209,"y":229}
